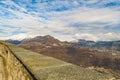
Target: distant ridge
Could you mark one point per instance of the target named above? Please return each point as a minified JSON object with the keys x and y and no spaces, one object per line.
{"x":13,"y":41}
{"x":103,"y":45}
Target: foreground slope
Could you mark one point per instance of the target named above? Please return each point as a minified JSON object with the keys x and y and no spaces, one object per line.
{"x":48,"y":68}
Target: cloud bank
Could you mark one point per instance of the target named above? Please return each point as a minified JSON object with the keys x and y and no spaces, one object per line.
{"x":66,"y":20}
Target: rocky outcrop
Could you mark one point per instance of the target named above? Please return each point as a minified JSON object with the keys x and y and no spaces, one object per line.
{"x":11,"y":67}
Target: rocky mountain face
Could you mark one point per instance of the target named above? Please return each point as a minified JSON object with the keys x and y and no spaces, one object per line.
{"x":103,"y":45}
{"x":68,"y":52}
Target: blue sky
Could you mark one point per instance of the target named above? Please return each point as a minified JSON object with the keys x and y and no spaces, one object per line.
{"x":66,"y":20}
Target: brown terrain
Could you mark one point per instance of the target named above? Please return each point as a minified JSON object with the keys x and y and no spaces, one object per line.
{"x":102,"y":61}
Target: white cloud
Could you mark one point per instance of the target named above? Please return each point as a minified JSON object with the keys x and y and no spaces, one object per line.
{"x":86,"y":36}
{"x":91,"y":21}
{"x":20,"y":36}
{"x":89,"y":15}
{"x":98,"y":37}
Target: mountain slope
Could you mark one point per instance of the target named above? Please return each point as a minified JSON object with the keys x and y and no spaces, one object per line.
{"x":50,"y":46}
{"x":43,"y":67}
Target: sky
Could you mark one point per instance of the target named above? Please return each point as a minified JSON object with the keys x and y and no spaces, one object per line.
{"x":66,"y":20}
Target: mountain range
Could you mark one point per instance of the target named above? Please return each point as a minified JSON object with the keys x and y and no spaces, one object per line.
{"x":79,"y":53}
{"x":102,"y":45}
